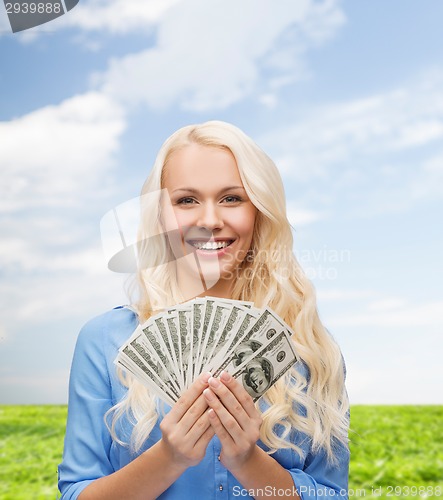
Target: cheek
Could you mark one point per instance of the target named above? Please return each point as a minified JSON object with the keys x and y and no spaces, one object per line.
{"x":168,"y":217}
{"x":244,"y":224}
{"x":182,"y":220}
{"x":178,"y":220}
{"x":169,"y":224}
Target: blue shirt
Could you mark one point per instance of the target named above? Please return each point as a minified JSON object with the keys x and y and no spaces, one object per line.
{"x":90,"y":452}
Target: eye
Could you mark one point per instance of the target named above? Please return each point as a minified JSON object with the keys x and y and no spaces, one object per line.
{"x":185,"y":201}
{"x":232,"y":199}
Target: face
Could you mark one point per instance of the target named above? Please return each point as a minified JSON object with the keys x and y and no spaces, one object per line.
{"x":257,"y":380}
{"x":214,"y":215}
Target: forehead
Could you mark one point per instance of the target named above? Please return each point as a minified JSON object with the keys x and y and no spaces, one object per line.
{"x":200,"y":166}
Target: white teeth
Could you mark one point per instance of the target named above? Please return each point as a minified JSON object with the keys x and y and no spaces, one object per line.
{"x":210,"y":245}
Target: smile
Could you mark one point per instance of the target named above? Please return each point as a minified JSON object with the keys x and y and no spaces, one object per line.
{"x":210,"y":245}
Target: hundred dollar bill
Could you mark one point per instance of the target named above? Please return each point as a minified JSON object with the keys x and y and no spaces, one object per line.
{"x":178,"y":320}
{"x":142,"y":372}
{"x":266,"y":366}
{"x":265,"y":327}
{"x":155,"y":389}
{"x":173,"y":329}
{"x":208,"y":307}
{"x":204,"y":334}
{"x":153,"y":361}
{"x":128,"y":359}
{"x":165,"y":339}
{"x":185,"y":334}
{"x":220,"y":361}
{"x":152,"y":341}
{"x":220,"y":313}
{"x":229,"y":325}
{"x":198,"y":309}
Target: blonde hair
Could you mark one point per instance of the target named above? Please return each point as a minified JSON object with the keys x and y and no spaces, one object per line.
{"x":311,"y":397}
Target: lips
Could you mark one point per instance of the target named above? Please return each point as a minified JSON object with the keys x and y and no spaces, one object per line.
{"x":213,"y":245}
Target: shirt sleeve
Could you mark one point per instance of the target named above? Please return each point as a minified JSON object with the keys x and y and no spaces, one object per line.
{"x":87,"y":440}
{"x":319,"y":479}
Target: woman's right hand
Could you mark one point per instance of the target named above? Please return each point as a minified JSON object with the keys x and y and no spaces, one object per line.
{"x":186,"y":430}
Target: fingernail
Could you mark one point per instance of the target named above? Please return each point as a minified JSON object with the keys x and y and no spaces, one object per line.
{"x":213,"y":382}
{"x":205,"y":377}
{"x":225,"y":376}
{"x":208,"y":394}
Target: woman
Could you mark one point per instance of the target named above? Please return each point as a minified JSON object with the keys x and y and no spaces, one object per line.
{"x":216,"y":185}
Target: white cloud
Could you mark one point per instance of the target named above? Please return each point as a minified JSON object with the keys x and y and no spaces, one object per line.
{"x":56,"y":165}
{"x":419,"y":133}
{"x":394,"y":381}
{"x":391,"y":345}
{"x":115,"y":16}
{"x":5,"y":27}
{"x":21,"y":389}
{"x":429,"y":184}
{"x":378,"y":151}
{"x":31,"y":254}
{"x":49,"y":155}
{"x":3,"y":334}
{"x":334,"y":294}
{"x":298,"y":216}
{"x":37,"y":299}
{"x":207,"y":55}
{"x":391,"y":313}
{"x":211,"y":55}
{"x":329,"y":136}
{"x":387,"y":304}
{"x":268,"y":100}
{"x":89,"y":294}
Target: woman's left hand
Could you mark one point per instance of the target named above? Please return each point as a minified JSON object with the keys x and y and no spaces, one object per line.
{"x":234,"y":418}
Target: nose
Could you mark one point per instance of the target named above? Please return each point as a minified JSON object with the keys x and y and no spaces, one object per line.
{"x":209,"y":217}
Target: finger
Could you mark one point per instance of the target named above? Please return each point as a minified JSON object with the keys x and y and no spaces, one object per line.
{"x":188,"y":397}
{"x":205,"y":438}
{"x":240,"y":394}
{"x":194,"y":412}
{"x":225,"y":437}
{"x":227,"y":420}
{"x":230,"y":402}
{"x":198,"y":429}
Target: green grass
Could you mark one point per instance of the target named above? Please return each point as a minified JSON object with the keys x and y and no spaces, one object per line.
{"x":397,"y":446}
{"x":392,"y":446}
{"x":31,"y":443}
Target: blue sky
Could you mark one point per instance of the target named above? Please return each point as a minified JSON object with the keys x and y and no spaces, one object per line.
{"x":345,"y":96}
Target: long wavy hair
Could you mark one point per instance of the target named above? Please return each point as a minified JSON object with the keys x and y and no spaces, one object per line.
{"x":311,"y":397}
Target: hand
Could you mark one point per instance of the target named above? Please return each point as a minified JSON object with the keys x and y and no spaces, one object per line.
{"x":234,"y":418}
{"x":186,"y":430}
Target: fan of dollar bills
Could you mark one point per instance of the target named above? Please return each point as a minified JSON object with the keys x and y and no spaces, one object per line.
{"x":170,"y":350}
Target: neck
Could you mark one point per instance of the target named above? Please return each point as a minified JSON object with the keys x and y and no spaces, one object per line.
{"x":193,"y":283}
{"x":222,"y":289}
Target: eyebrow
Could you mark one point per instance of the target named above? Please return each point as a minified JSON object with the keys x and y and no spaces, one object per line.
{"x":196,"y":191}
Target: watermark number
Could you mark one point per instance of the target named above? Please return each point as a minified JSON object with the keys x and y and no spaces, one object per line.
{"x":33,"y":8}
